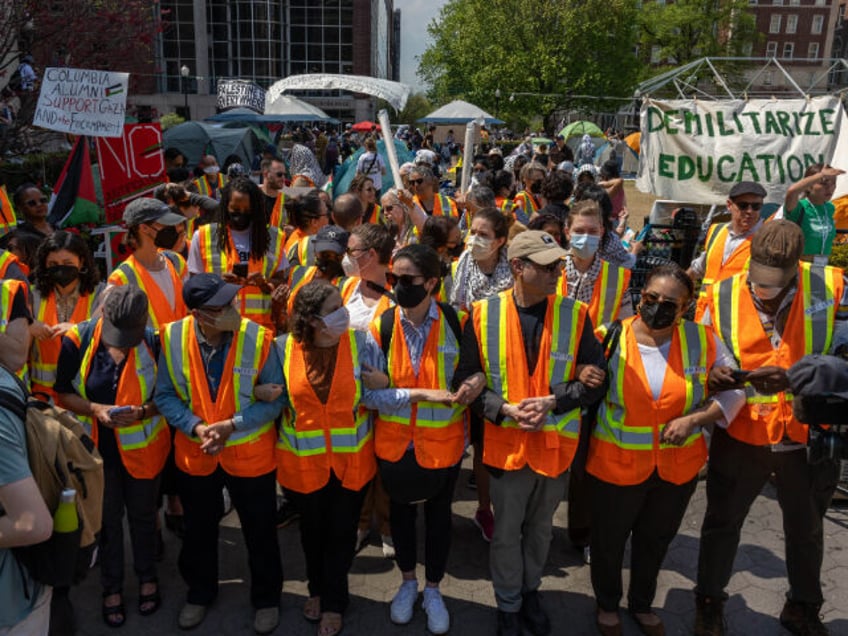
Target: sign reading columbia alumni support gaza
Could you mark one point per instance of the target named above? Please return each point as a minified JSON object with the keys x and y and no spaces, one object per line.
{"x":696,"y":150}
{"x":82,"y":102}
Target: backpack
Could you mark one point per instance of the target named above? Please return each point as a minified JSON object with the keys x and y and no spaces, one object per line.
{"x":387,"y":325}
{"x":61,"y":455}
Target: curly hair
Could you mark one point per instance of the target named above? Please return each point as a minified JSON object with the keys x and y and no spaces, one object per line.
{"x":260,"y":237}
{"x":307,"y":305}
{"x":61,"y":240}
{"x":358,"y":182}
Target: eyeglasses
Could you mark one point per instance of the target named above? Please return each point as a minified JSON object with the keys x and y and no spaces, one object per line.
{"x":416,"y":182}
{"x":351,"y":250}
{"x":34,"y":202}
{"x":550,"y":268}
{"x":280,"y":174}
{"x":745,"y":205}
{"x":404,"y":279}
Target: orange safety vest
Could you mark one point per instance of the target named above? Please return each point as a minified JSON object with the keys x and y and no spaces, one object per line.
{"x":44,"y":354}
{"x":246,"y":453}
{"x":527,"y":202}
{"x":505,"y":205}
{"x":625,"y":448}
{"x":768,"y":419}
{"x":349,"y":284}
{"x":254,"y":304}
{"x":143,"y":446}
{"x":159,"y":310}
{"x":203,"y":185}
{"x":6,"y":259}
{"x":607,"y":293}
{"x":496,"y":324}
{"x":442,"y":205}
{"x":376,"y":215}
{"x":302,"y":253}
{"x":278,"y":214}
{"x":9,"y":288}
{"x":717,"y":270}
{"x":294,"y":238}
{"x":316,"y":438}
{"x":8,"y":219}
{"x":436,"y":431}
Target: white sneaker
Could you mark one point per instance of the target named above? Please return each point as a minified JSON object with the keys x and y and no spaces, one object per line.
{"x":438,"y":619}
{"x":388,"y":546}
{"x":404,"y":602}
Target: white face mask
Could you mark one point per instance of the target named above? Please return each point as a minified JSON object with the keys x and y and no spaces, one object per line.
{"x":336,"y":323}
{"x":211,"y":170}
{"x":227,"y":320}
{"x":350,"y":266}
{"x":481,"y":247}
{"x":584,"y":245}
{"x":765,"y":293}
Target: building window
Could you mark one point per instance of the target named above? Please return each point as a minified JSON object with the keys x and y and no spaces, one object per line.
{"x":820,"y":3}
{"x":794,"y":3}
{"x":771,"y":49}
{"x":841,"y":16}
{"x":818,"y":23}
{"x":776,"y":20}
{"x":813,"y":51}
{"x":788,"y":50}
{"x":777,"y":2}
{"x":791,"y":23}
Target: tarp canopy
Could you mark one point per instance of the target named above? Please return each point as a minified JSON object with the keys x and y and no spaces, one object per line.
{"x":394,"y":93}
{"x":629,"y":158}
{"x":634,"y":141}
{"x":580,"y":128}
{"x":344,"y":173}
{"x":289,"y":108}
{"x":458,"y":112}
{"x":248,"y":116}
{"x":194,"y":139}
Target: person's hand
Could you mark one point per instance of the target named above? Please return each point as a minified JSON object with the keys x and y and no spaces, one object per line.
{"x":470,"y":389}
{"x":511,"y":411}
{"x":216,"y":435}
{"x":258,"y":280}
{"x":373,"y":378}
{"x":280,"y":294}
{"x":722,"y":379}
{"x":534,"y":411}
{"x":590,"y":375}
{"x":128,"y":418}
{"x":229,"y":277}
{"x":100,"y":412}
{"x":40,"y":331}
{"x":636,"y":247}
{"x":62,"y":328}
{"x":678,"y":430}
{"x":769,"y":380}
{"x":830,"y":171}
{"x":405,"y":197}
{"x":267,"y":392}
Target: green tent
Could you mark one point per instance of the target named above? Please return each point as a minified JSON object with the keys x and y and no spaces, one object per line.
{"x":580,"y":128}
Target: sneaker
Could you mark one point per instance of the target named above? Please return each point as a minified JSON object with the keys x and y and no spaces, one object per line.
{"x":361,"y":539}
{"x":485,"y":520}
{"x":438,"y":619}
{"x":709,"y":616}
{"x":587,"y":555}
{"x":404,"y":602}
{"x":287,"y":514}
{"x":191,"y":615}
{"x":533,"y":614}
{"x":388,"y":546}
{"x":508,"y":624}
{"x":802,"y":619}
{"x":266,"y":620}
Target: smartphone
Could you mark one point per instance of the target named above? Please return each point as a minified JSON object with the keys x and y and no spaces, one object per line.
{"x":644,"y":232}
{"x":240,"y":270}
{"x":120,"y":410}
{"x":739,"y":374}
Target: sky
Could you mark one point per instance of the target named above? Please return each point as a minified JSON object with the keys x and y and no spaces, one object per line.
{"x":415,"y":15}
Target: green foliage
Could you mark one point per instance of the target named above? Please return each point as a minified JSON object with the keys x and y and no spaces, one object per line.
{"x":32,"y":168}
{"x":553,"y":50}
{"x":417,"y":106}
{"x":839,"y":256}
{"x":169,"y":120}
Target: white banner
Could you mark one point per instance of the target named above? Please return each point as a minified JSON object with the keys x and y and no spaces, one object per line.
{"x":695,"y":151}
{"x":240,"y":93}
{"x":82,"y":102}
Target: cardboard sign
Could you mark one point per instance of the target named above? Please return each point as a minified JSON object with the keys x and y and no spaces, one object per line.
{"x":131,"y":166}
{"x":694,"y":150}
{"x":82,"y":102}
{"x":240,"y":93}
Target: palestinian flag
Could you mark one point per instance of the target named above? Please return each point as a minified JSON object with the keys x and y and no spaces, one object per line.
{"x":73,"y":201}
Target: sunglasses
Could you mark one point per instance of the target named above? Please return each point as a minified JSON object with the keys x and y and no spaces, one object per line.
{"x":756,"y":207}
{"x":34,"y":202}
{"x":405,"y":279}
{"x":416,"y":182}
{"x":280,"y":174}
{"x":550,"y":268}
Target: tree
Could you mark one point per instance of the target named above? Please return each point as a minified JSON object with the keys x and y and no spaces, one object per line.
{"x":677,"y":33}
{"x":417,"y":106}
{"x":546,"y":54}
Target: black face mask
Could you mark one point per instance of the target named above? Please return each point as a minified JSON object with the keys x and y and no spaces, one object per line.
{"x":167,"y":237}
{"x":456,"y":251}
{"x":239,"y":222}
{"x":409,"y":295}
{"x":62,"y":275}
{"x":329,"y":267}
{"x":536,"y":187}
{"x":658,"y":315}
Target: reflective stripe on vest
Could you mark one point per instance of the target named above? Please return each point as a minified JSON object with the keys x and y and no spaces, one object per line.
{"x":6,"y":258}
{"x":716,"y":268}
{"x":203,"y":185}
{"x":8,"y":290}
{"x":159,"y":310}
{"x":607,"y":293}
{"x":278,"y":214}
{"x":525,"y":207}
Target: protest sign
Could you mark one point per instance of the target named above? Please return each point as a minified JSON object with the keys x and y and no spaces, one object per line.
{"x":240,"y":93}
{"x":131,"y":166}
{"x":82,"y":102}
{"x":694,"y":150}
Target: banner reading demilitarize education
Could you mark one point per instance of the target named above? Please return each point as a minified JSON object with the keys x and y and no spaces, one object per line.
{"x":694,"y":150}
{"x":82,"y":102}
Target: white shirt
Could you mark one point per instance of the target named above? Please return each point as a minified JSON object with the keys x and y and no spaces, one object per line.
{"x":241,"y":240}
{"x":361,"y":314}
{"x":371,"y":163}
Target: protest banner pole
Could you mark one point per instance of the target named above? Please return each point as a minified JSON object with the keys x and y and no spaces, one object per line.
{"x":468,"y":153}
{"x":385,"y":128}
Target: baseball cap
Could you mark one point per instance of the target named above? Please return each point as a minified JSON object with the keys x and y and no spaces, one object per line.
{"x":331,"y":238}
{"x":566,"y":167}
{"x":208,"y":290}
{"x":775,"y":251}
{"x":124,"y":316}
{"x":147,"y":209}
{"x":747,"y":187}
{"x":540,"y":247}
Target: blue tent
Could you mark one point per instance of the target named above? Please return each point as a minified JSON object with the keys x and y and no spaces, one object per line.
{"x":345,"y":173}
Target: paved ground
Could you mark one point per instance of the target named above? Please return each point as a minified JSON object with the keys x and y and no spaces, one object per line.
{"x":756,"y":588}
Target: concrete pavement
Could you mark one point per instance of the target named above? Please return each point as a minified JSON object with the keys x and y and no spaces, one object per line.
{"x":756,"y":589}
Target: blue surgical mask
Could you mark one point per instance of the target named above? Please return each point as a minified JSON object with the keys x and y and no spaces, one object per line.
{"x":584,"y":245}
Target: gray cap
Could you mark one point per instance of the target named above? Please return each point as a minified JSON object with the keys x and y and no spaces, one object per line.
{"x":124,"y":316}
{"x":747,"y":187}
{"x":147,"y":210}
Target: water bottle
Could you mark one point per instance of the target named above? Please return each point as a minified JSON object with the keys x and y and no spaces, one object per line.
{"x":66,"y":519}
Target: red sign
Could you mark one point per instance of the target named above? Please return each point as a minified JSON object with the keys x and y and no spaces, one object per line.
{"x":131,"y":166}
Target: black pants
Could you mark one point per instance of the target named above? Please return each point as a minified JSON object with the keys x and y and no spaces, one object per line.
{"x":254,"y":498}
{"x":437,"y":525}
{"x":579,"y":493}
{"x":737,"y":473}
{"x":138,"y":497}
{"x":328,"y":521}
{"x":651,"y":512}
